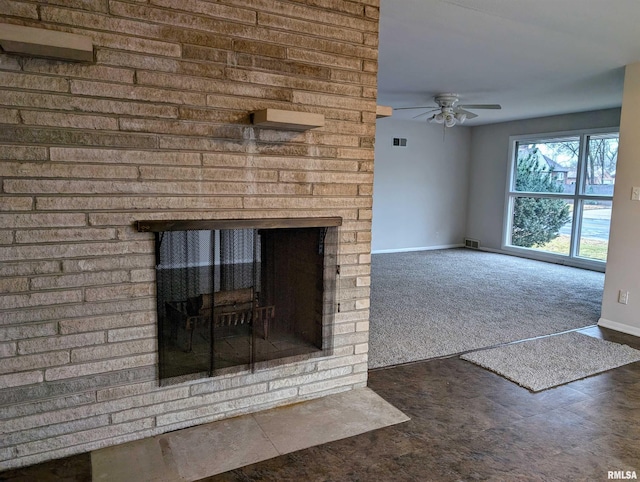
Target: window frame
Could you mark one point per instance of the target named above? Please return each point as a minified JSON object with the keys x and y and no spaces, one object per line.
{"x":578,"y":198}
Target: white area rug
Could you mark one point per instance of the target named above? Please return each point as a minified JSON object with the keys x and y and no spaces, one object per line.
{"x":554,"y":360}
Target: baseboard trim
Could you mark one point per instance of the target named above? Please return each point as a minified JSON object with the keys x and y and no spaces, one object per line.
{"x":423,"y":248}
{"x":621,"y":327}
{"x":548,"y":259}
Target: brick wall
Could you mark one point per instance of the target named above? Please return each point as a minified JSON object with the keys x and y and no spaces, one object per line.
{"x":158,"y":128}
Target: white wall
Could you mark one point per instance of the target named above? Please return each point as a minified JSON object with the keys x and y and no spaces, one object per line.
{"x":623,"y":260}
{"x":420,"y":191}
{"x":489,"y":165}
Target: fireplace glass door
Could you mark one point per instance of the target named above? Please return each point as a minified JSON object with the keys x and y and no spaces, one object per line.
{"x":230,"y":298}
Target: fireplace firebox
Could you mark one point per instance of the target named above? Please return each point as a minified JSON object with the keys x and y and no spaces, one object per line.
{"x":236,"y":295}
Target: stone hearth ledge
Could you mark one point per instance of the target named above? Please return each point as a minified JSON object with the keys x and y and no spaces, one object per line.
{"x":198,"y":452}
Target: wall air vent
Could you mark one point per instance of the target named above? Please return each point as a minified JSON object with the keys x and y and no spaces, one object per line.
{"x":399,"y":142}
{"x":471,"y":243}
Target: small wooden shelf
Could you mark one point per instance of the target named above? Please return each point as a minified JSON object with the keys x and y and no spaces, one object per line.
{"x":286,"y":119}
{"x":383,"y":111}
{"x":39,"y":42}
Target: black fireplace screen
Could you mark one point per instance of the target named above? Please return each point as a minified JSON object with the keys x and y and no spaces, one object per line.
{"x":231,"y":298}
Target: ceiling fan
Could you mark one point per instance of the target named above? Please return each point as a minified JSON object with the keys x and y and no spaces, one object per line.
{"x":448,"y":111}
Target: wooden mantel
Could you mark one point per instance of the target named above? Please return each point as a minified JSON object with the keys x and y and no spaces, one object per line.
{"x":211,"y":224}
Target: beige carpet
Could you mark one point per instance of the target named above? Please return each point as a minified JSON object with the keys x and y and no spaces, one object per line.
{"x":429,"y":304}
{"x":553,"y":360}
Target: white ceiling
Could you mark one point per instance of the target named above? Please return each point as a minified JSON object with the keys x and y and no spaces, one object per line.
{"x":535,"y":57}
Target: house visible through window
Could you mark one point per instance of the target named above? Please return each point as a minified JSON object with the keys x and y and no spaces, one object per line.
{"x":559,"y":196}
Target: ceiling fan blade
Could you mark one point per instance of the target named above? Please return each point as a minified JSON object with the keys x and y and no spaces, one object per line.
{"x":481,"y":106}
{"x":421,"y":107}
{"x":424,"y":113}
{"x":470,"y":115}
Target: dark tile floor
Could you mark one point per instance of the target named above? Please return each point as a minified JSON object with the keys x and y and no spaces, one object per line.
{"x":466,"y":424}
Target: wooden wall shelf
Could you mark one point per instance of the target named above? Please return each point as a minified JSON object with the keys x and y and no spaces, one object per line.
{"x":383,"y":111}
{"x":39,"y":42}
{"x":286,"y":119}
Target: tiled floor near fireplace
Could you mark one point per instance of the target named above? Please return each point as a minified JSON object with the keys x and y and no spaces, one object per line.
{"x":466,"y":424}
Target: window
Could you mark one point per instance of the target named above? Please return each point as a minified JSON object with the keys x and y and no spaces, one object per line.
{"x":559,"y":196}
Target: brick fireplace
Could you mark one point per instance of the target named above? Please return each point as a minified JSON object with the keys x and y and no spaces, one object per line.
{"x":158,"y":128}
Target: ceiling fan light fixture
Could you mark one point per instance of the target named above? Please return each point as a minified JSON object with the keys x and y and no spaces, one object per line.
{"x":449,"y":119}
{"x":461,"y":117}
{"x":438,"y":118}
